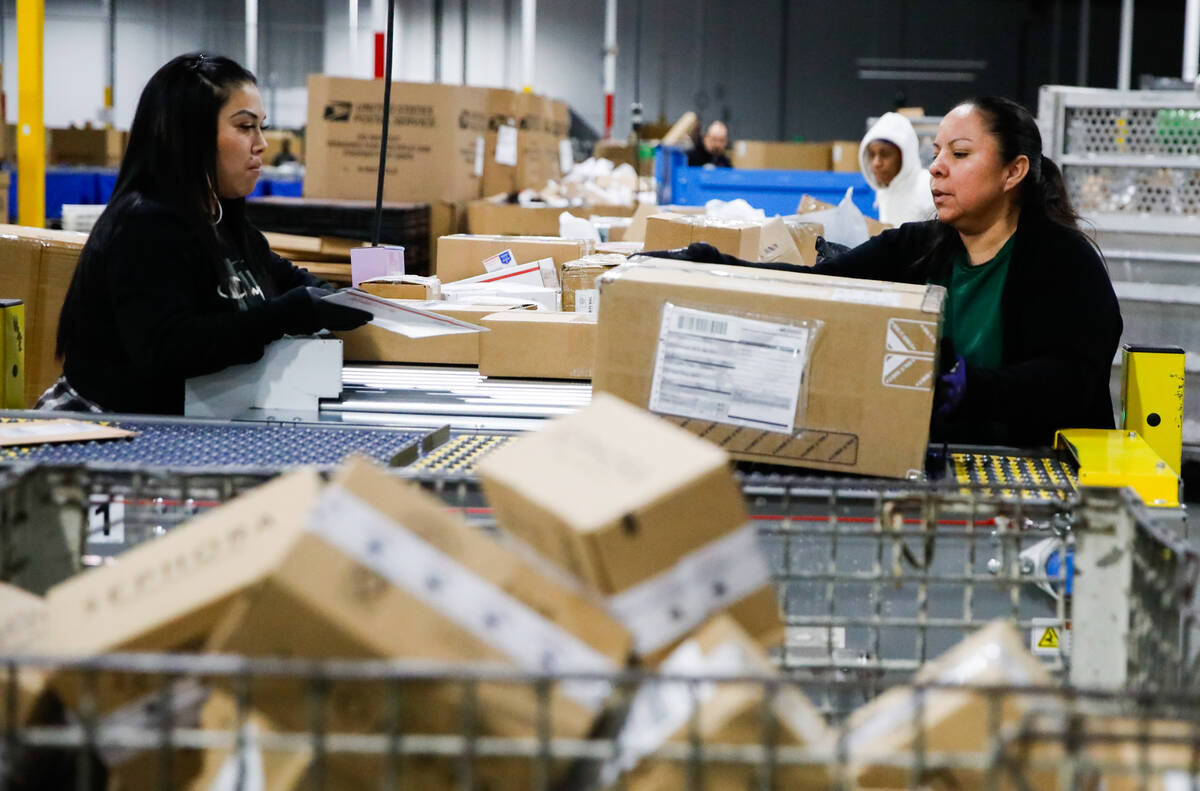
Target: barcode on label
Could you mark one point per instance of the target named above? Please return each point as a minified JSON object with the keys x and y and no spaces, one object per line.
{"x":700,"y":324}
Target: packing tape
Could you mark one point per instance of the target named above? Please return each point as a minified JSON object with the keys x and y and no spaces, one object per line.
{"x":709,"y":579}
{"x":458,"y":594}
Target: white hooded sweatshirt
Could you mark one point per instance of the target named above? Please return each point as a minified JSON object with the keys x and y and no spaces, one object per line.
{"x":907,"y":198}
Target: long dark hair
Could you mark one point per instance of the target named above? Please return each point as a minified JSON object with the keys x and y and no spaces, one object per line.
{"x":172,"y":150}
{"x":171,"y":158}
{"x":1043,"y":192}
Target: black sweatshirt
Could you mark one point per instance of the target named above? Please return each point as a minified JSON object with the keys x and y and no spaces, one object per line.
{"x":1062,"y":325}
{"x":152,"y":303}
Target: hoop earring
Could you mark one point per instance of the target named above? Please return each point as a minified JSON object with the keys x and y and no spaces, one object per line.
{"x":220,"y":213}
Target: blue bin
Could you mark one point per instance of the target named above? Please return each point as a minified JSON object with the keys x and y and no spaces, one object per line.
{"x":63,"y":185}
{"x":289,"y":188}
{"x":773,"y":191}
{"x":105,"y":182}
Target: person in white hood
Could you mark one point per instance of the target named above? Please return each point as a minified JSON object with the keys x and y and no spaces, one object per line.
{"x":890,"y":162}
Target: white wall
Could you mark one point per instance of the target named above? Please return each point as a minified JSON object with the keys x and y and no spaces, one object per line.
{"x":301,"y":36}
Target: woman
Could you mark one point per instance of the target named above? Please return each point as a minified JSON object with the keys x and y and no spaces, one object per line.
{"x":1030,"y":311}
{"x":891,"y":164}
{"x":174,"y":282}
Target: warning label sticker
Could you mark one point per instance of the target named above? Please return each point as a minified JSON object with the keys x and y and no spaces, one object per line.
{"x":911,"y":347}
{"x":1050,"y":637}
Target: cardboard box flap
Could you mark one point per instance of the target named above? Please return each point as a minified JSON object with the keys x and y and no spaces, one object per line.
{"x":924,"y":298}
{"x":166,"y":594}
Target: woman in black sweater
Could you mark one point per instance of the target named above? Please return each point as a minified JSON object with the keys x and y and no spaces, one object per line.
{"x":174,"y":282}
{"x":1031,"y":317}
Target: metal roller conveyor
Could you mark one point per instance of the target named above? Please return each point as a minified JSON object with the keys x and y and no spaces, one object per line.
{"x":459,"y":397}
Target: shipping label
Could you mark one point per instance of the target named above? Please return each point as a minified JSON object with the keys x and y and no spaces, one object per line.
{"x":506,"y":145}
{"x":500,"y":259}
{"x":586,"y":299}
{"x":729,"y":369}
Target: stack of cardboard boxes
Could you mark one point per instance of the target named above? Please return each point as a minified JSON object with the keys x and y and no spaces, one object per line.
{"x":839,"y":156}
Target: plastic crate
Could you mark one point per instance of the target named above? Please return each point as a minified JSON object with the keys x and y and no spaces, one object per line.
{"x":773,"y":191}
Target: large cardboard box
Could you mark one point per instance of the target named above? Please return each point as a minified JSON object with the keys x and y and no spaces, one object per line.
{"x":462,"y":255}
{"x":778,"y":367}
{"x":385,"y":571}
{"x":579,"y":294}
{"x":948,"y":721}
{"x":36,"y":266}
{"x":521,"y":150}
{"x":638,"y":509}
{"x":725,"y":713}
{"x":766,"y":155}
{"x":22,"y":630}
{"x":490,"y":217}
{"x":375,"y":344}
{"x":670,"y":230}
{"x":431,"y":140}
{"x":101,"y":146}
{"x":538,"y":344}
{"x":168,"y":594}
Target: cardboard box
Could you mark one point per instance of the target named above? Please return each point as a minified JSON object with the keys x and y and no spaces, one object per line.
{"x":860,"y":349}
{"x":414,"y":287}
{"x":461,"y":256}
{"x":581,"y":275}
{"x":386,"y":571}
{"x":375,"y":344}
{"x":533,"y":125}
{"x":36,"y":266}
{"x":618,"y":152}
{"x":952,"y":721}
{"x":777,"y":245}
{"x":512,"y":219}
{"x":766,"y":155}
{"x":844,"y":156}
{"x":431,"y":140}
{"x":101,"y":147}
{"x":538,"y":344}
{"x":167,"y":594}
{"x":22,"y":630}
{"x":728,"y":713}
{"x":670,"y":231}
{"x":804,"y":236}
{"x":333,"y":249}
{"x":628,"y":503}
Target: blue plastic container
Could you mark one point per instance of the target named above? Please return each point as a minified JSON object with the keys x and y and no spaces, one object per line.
{"x":290,"y":188}
{"x":773,"y":191}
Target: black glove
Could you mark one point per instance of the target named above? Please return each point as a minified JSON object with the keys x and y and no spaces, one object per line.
{"x":705,"y":253}
{"x":303,"y":311}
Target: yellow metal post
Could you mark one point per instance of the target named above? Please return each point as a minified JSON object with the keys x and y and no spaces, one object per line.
{"x":1152,"y":387}
{"x":31,"y":126}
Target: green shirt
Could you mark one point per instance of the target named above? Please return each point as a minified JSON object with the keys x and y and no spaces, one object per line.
{"x":972,"y":318}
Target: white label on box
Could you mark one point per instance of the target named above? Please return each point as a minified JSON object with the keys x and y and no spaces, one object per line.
{"x":867,"y":296}
{"x":106,"y":520}
{"x":243,"y":770}
{"x":566,"y":156}
{"x":712,"y":578}
{"x":506,"y":145}
{"x":548,"y":271}
{"x":458,"y":594}
{"x":910,"y":336}
{"x":729,"y":369}
{"x":586,"y":300}
{"x":500,"y":259}
{"x":478,"y":169}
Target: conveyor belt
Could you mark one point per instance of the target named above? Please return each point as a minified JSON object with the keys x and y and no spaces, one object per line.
{"x":1007,"y":473}
{"x":181,"y":444}
{"x":460,"y":455}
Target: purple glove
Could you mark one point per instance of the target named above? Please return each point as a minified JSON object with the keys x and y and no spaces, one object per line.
{"x":951,"y":388}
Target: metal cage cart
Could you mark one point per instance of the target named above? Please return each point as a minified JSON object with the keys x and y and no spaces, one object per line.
{"x":1131,"y":162}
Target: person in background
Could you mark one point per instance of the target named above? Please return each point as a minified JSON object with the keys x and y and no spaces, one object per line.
{"x":285,"y":154}
{"x":711,"y":150}
{"x":889,"y":159}
{"x":174,"y":282}
{"x":1030,"y":322}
